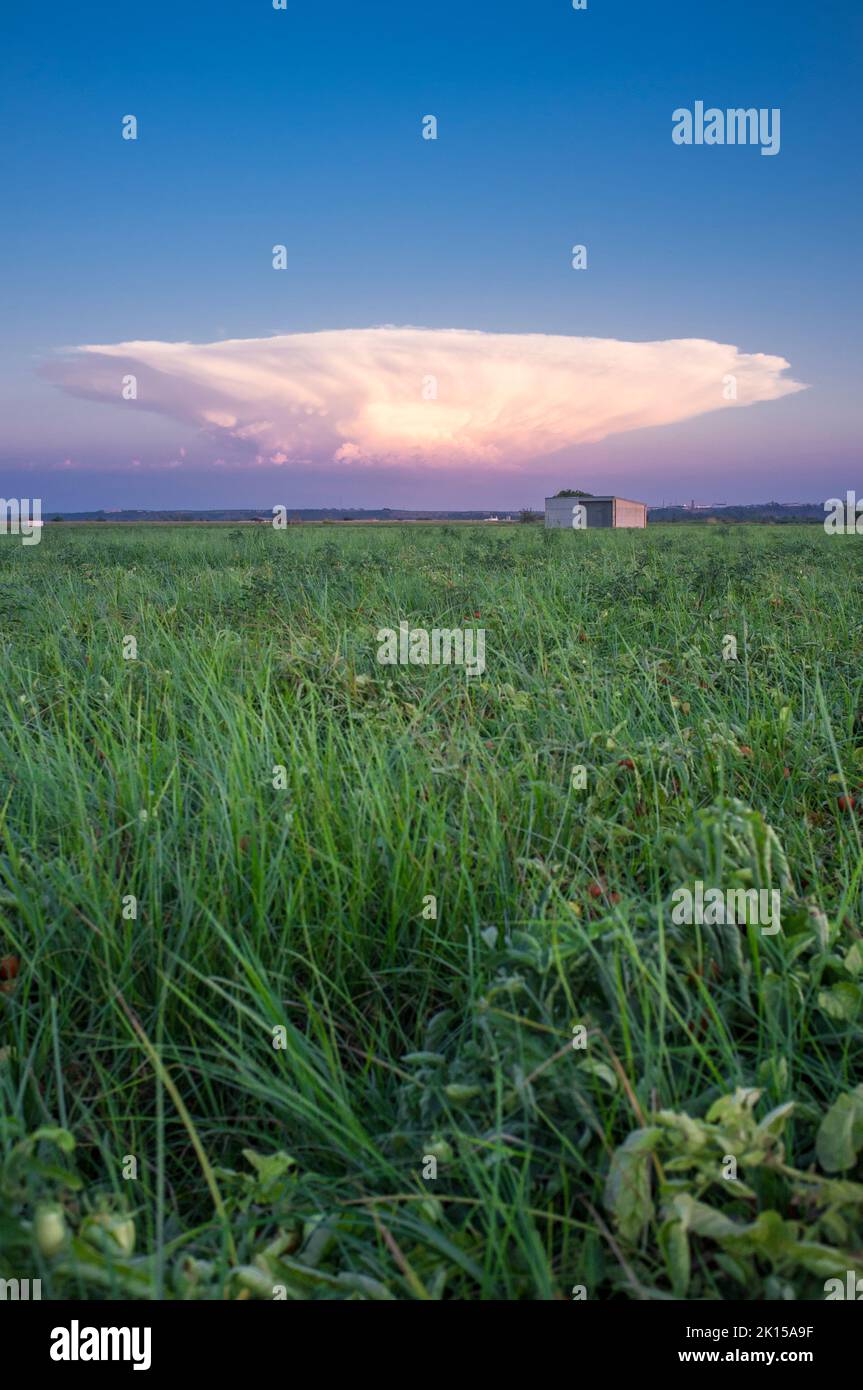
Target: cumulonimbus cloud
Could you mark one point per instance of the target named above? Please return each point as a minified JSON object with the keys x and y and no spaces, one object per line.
{"x":441,"y":398}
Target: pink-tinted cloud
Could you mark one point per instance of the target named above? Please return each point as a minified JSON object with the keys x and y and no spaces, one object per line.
{"x":442,"y":399}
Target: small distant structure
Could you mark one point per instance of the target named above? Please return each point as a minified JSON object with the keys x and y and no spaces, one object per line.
{"x":492,"y":518}
{"x":581,"y":511}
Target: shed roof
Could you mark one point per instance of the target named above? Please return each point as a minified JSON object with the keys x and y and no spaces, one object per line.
{"x":612,"y":497}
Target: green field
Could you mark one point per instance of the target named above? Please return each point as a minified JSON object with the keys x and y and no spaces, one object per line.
{"x":145,"y":1084}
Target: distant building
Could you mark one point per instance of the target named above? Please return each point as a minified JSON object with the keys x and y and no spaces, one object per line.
{"x":576,"y":513}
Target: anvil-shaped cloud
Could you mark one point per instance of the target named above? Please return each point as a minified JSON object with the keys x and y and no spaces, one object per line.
{"x":441,"y":398}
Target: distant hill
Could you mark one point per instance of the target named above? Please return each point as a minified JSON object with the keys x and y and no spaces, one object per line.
{"x":294,"y":514}
{"x":768,"y":512}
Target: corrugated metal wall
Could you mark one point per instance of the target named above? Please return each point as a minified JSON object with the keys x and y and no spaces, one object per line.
{"x":558,"y":512}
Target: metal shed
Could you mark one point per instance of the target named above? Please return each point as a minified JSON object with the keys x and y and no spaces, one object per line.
{"x":615,"y":512}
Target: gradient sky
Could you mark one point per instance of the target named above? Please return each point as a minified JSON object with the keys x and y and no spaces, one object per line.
{"x":303,"y":127}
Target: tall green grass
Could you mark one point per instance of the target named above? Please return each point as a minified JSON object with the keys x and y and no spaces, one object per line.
{"x":257,"y":908}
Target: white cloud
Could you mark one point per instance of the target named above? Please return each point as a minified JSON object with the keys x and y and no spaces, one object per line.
{"x":355,"y":397}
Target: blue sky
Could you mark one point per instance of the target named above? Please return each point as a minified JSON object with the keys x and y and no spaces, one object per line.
{"x":303,"y":127}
